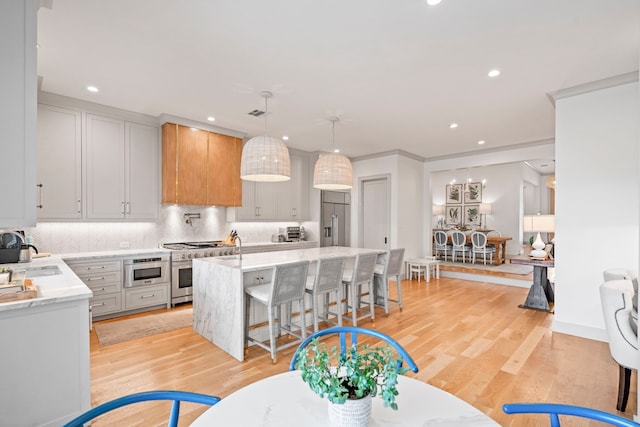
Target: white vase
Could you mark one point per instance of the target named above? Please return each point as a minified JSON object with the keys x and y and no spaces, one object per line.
{"x":352,"y":413}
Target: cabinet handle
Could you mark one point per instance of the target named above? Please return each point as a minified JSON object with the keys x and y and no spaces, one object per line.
{"x":96,"y":268}
{"x":147,"y":296}
{"x":101,"y":289}
{"x":79,"y":206}
{"x":39,"y":205}
{"x":128,"y":208}
{"x":294,"y":212}
{"x":122,"y":208}
{"x":91,"y":279}
{"x":96,"y":305}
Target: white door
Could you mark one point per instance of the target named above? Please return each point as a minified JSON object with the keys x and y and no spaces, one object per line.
{"x":375,"y":214}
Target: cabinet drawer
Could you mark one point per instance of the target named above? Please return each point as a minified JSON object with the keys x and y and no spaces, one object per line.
{"x":106,"y":304}
{"x":98,"y":280}
{"x":104,"y":288}
{"x":146,"y":296}
{"x":258,"y":277}
{"x":84,"y":269}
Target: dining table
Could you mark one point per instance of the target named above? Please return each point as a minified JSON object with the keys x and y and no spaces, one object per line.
{"x":286,"y":400}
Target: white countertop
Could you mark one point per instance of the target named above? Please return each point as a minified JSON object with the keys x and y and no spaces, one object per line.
{"x":88,"y":256}
{"x":271,"y":259}
{"x":51,"y":289}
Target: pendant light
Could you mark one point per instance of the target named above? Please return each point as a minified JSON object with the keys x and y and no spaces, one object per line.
{"x":333,"y":170}
{"x":265,"y":159}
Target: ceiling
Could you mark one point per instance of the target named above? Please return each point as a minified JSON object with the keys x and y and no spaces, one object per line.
{"x":396,"y":72}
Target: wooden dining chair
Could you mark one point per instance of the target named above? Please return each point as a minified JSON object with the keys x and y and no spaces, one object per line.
{"x":171,"y":395}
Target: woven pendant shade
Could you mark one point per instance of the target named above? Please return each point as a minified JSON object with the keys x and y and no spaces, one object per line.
{"x":265,"y":159}
{"x":333,"y":172}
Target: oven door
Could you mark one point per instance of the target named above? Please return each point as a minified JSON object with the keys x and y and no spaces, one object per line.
{"x":145,"y":273}
{"x":181,"y":282}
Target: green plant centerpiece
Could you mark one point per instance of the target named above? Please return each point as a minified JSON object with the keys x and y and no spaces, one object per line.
{"x":362,"y":371}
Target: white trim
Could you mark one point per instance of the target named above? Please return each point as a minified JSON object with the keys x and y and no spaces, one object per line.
{"x":597,"y":334}
{"x":593,"y":86}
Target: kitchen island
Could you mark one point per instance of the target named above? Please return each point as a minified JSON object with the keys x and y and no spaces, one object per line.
{"x":218,"y":290}
{"x":45,"y":348}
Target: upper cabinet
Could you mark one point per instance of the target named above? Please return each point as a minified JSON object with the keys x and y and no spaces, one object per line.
{"x":18,"y":103}
{"x":200,"y":167}
{"x":121,"y":169}
{"x":95,"y":167}
{"x":277,"y":201}
{"x":59,"y":163}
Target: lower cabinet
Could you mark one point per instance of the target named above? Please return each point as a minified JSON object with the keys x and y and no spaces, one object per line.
{"x":145,"y":296}
{"x":104,"y":276}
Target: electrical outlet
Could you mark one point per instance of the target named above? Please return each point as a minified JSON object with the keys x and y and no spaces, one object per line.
{"x":124,"y":245}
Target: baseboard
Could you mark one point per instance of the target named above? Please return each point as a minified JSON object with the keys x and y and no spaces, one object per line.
{"x":596,"y":334}
{"x":486,"y":278}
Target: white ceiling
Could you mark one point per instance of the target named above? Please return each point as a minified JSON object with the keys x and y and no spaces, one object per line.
{"x":396,"y":72}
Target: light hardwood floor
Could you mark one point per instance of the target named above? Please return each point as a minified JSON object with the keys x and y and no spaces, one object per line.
{"x":468,"y":338}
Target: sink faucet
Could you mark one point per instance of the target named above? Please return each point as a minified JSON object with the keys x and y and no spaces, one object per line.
{"x":237,"y":239}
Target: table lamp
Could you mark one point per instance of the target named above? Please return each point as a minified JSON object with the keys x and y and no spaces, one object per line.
{"x":438,"y":211}
{"x":539,"y":223}
{"x":485,"y":209}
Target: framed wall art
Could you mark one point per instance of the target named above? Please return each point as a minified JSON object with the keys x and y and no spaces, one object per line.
{"x":453,"y":194}
{"x":453,"y":215}
{"x":471,"y":215}
{"x":473,"y":193}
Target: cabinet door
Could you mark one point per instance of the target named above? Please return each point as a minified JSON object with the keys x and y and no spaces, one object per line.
{"x":59,"y":163}
{"x":192,"y":166}
{"x":105,"y":168}
{"x":224,"y":187}
{"x":18,"y":101}
{"x":142,"y":171}
{"x":266,"y":199}
{"x":248,"y":209}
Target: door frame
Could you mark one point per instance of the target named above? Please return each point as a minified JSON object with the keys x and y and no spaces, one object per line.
{"x":361,"y":182}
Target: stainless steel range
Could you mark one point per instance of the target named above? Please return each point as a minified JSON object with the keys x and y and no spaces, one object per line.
{"x":181,"y":256}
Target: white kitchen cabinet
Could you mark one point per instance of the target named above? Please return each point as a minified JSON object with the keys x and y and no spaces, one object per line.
{"x":104,"y":278}
{"x":122,"y":169}
{"x":59,"y":163}
{"x":276,"y":201}
{"x":18,"y":86}
{"x":146,"y":296}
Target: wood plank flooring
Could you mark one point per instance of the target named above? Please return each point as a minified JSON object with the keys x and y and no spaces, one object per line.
{"x":468,"y":338}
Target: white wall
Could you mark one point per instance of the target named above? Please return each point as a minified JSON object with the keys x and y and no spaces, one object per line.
{"x":597,"y":200}
{"x":407,"y":189}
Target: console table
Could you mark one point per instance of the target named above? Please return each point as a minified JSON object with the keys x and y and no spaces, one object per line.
{"x":541,"y":292}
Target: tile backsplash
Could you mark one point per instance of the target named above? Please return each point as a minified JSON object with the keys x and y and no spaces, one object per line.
{"x":74,"y":237}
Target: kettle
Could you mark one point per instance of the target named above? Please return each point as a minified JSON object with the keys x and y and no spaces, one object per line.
{"x":25,"y":253}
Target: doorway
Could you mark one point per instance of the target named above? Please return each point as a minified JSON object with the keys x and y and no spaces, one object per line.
{"x":374,"y":213}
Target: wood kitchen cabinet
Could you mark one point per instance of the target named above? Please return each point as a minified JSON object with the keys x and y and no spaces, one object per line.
{"x":59,"y":163}
{"x":200,"y":167}
{"x":121,"y":162}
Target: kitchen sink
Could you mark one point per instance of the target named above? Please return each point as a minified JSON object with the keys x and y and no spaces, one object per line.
{"x":46,"y":270}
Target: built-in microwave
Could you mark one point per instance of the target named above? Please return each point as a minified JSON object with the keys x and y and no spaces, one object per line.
{"x":146,"y":271}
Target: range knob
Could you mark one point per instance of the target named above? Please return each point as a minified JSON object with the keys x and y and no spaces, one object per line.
{"x":211,"y":253}
{"x":184,"y":256}
{"x":196,"y":255}
{"x":189,"y":256}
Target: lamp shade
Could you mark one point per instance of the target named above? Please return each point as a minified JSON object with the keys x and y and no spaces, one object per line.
{"x":485,"y":208}
{"x":541,"y":223}
{"x":438,"y":209}
{"x":265,"y":159}
{"x":333,"y":171}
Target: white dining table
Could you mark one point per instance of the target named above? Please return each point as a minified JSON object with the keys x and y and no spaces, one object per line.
{"x":285,"y":400}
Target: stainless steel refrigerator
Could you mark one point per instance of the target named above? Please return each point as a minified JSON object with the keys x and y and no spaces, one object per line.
{"x":336,"y":218}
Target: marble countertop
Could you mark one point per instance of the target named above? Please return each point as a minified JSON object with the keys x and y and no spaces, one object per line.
{"x":258,"y":261}
{"x":121,"y":253}
{"x":52,"y":289}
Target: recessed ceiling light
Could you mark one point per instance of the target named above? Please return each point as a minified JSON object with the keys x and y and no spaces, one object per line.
{"x":433,"y":2}
{"x":92,"y":89}
{"x":481,"y":142}
{"x":211,"y":119}
{"x":336,"y":150}
{"x":285,"y":138}
{"x":494,"y":73}
{"x":453,"y":125}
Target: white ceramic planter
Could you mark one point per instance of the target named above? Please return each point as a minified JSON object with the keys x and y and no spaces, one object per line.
{"x":352,"y":413}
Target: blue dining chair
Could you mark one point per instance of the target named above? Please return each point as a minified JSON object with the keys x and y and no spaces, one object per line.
{"x":353,"y":332}
{"x":176,"y":396}
{"x":555,"y":409}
